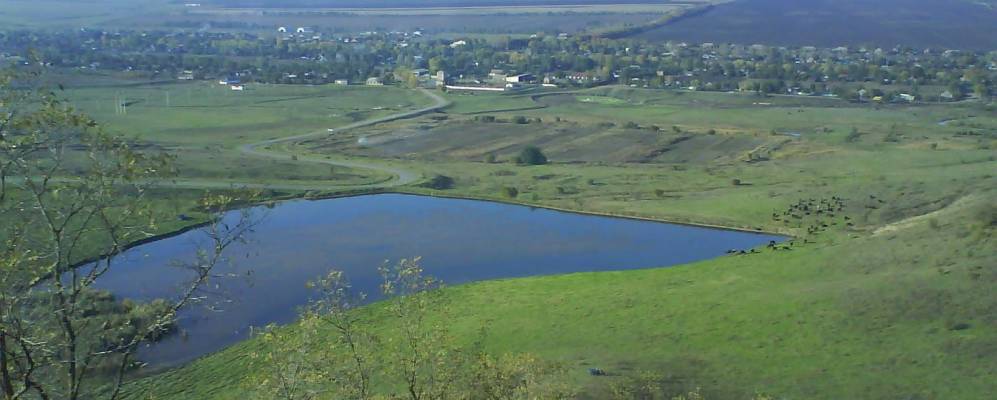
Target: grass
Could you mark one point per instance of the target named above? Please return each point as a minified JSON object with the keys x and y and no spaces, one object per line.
{"x":893,"y":302}
{"x":204,"y":123}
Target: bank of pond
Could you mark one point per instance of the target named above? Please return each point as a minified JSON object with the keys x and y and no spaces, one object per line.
{"x":460,"y":241}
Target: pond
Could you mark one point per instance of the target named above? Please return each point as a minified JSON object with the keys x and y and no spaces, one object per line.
{"x":459,"y":241}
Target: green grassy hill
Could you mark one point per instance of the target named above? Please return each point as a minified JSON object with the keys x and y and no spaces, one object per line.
{"x":892,"y":299}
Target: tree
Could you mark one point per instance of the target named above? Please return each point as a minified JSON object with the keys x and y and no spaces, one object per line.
{"x":439,"y":182}
{"x":337,"y":351}
{"x":531,"y":155}
{"x":70,"y":193}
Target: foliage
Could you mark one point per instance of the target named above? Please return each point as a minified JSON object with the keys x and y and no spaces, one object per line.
{"x":439,"y":182}
{"x":744,"y":67}
{"x":531,"y":155}
{"x":72,"y":199}
{"x":337,"y":352}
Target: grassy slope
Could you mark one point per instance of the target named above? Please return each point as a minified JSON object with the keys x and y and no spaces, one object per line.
{"x":858,"y":314}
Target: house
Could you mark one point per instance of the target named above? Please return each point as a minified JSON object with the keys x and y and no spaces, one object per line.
{"x":186,"y":75}
{"x":521,"y":78}
{"x":580,"y":77}
{"x":420,"y":72}
{"x":440,"y":78}
{"x":458,"y":43}
{"x":343,"y":82}
{"x":374,"y":81}
{"x":946,"y":95}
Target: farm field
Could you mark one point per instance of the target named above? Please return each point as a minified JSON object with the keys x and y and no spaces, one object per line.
{"x":905,"y":262}
{"x":16,"y":14}
{"x":959,"y":24}
{"x":444,"y":17}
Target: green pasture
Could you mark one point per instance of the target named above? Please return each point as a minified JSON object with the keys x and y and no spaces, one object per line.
{"x":209,"y":113}
{"x":891,"y":299}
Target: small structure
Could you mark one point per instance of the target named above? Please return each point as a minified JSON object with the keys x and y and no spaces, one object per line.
{"x":907,"y":97}
{"x":521,"y":78}
{"x":374,"y":81}
{"x":475,"y":88}
{"x":458,"y":43}
{"x":186,"y":75}
{"x":238,"y":88}
{"x":342,"y":82}
{"x":946,"y":95}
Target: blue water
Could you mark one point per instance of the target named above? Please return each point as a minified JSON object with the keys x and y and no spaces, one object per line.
{"x":459,"y":241}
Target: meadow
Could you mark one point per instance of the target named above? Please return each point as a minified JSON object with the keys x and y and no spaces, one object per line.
{"x":204,"y":124}
{"x":888,"y":298}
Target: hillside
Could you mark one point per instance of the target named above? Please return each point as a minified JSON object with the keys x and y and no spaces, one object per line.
{"x":919,"y":23}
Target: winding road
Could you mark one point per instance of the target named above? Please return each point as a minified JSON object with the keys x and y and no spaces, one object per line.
{"x":401,"y":176}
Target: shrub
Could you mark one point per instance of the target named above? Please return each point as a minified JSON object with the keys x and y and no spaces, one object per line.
{"x":853,"y":136}
{"x":531,"y":155}
{"x":631,"y":125}
{"x":519,"y":119}
{"x":510,"y":192}
{"x":439,"y":182}
{"x":490,"y":158}
{"x":735,"y":182}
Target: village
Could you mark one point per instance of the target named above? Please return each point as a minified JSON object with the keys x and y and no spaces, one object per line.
{"x":305,"y":55}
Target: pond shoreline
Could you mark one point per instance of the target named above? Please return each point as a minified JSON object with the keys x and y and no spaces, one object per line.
{"x":560,"y":266}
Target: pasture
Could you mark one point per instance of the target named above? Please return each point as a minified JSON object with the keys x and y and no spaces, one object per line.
{"x":887,"y":297}
{"x":204,"y":124}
